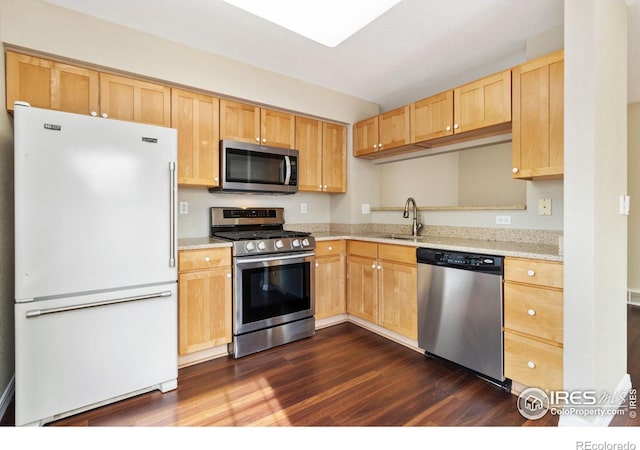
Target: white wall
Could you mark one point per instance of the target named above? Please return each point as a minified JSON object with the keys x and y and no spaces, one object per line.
{"x":595,"y":175}
{"x":633,"y":171}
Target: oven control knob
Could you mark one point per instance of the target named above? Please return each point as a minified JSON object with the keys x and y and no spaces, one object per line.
{"x":305,"y":242}
{"x":250,"y":246}
{"x":295,"y":243}
{"x":262,"y":245}
{"x":279,"y":243}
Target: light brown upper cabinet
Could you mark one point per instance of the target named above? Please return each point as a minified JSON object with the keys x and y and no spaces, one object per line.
{"x":195,"y":116}
{"x":249,"y":123}
{"x":432,"y":117}
{"x":323,"y":165}
{"x":538,"y":118}
{"x":482,"y":103}
{"x":51,"y":85}
{"x":135,"y":100}
{"x":384,"y":132}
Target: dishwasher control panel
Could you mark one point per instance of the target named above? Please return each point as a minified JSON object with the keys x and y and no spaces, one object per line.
{"x":469,"y":261}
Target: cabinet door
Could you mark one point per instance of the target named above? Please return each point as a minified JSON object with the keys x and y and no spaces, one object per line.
{"x":51,"y":85}
{"x":334,"y":157}
{"x":330,"y":286}
{"x":362,"y":288}
{"x":538,"y":118}
{"x":135,"y":100}
{"x":239,"y":121}
{"x":365,"y":137}
{"x":204,"y":300}
{"x":195,"y":116}
{"x":482,"y":103}
{"x":399,"y":298}
{"x":432,"y":117}
{"x":277,"y":128}
{"x":394,"y":129}
{"x":309,"y":144}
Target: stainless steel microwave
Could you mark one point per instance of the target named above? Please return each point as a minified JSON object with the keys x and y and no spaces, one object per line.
{"x":255,"y":168}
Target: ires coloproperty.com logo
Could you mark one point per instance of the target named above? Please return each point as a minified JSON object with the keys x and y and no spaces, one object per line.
{"x":534,"y":403}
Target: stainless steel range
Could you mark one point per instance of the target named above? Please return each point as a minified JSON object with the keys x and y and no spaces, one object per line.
{"x":273,"y":300}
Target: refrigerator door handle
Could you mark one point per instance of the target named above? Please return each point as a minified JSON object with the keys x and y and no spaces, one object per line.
{"x":172,"y":221}
{"x":41,"y":312}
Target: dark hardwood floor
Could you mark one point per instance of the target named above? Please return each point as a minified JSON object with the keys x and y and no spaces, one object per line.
{"x":343,"y":376}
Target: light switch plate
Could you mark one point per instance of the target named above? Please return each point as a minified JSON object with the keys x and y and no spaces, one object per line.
{"x":366,"y":208}
{"x":544,"y":207}
{"x":303,"y":208}
{"x":503,"y":220}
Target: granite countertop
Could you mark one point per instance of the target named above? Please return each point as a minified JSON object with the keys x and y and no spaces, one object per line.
{"x":499,"y":248}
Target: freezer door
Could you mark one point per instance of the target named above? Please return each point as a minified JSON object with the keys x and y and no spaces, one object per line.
{"x":94,"y":203}
{"x":80,"y":352}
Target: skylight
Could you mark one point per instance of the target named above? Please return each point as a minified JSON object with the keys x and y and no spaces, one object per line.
{"x":328,"y":22}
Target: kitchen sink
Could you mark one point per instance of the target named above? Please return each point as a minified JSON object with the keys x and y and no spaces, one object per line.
{"x":404,"y":237}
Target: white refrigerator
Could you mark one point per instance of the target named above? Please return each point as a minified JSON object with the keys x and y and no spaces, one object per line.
{"x":95,"y":262}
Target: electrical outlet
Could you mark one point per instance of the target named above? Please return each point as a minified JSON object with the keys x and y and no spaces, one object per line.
{"x":184,"y":207}
{"x":544,"y":207}
{"x":503,"y":220}
{"x":303,"y":208}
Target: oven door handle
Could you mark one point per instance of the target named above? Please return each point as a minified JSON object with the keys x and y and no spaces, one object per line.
{"x":243,"y":260}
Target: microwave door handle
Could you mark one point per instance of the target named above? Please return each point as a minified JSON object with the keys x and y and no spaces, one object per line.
{"x":287,"y":176}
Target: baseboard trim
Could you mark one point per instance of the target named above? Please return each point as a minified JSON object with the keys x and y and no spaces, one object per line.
{"x":617,"y":399}
{"x":7,"y":396}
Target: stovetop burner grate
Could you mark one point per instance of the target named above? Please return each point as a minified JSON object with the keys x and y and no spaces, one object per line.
{"x":259,"y":234}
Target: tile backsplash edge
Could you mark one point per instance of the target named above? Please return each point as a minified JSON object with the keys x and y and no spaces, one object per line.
{"x":549,"y":237}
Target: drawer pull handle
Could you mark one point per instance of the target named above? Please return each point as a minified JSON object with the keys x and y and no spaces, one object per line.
{"x":531,"y":365}
{"x":531,"y":312}
{"x":531,"y":273}
{"x":207,"y":259}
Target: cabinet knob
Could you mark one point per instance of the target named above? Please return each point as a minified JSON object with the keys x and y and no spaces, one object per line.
{"x":317,"y":264}
{"x":104,"y":115}
{"x":320,"y":186}
{"x":216,"y":179}
{"x":531,"y":312}
{"x":264,"y":140}
{"x":456,"y":126}
{"x":374,"y":265}
{"x":257,"y":139}
{"x":515,"y":170}
{"x":228,"y":274}
{"x":94,"y":114}
{"x":207,"y":259}
{"x":531,"y":365}
{"x":531,"y":273}
{"x":379,"y":267}
{"x":448,"y":128}
{"x":375,"y":146}
{"x":330,"y":248}
{"x":325,"y":187}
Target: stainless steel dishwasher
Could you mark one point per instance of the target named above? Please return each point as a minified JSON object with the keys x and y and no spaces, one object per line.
{"x":460,"y":310}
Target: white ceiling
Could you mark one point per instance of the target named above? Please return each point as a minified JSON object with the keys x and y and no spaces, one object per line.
{"x":418,"y":48}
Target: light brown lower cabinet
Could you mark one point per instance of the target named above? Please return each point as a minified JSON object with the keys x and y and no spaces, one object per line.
{"x":330,"y":293}
{"x":533,"y":322}
{"x":382,"y":285}
{"x":204,"y":299}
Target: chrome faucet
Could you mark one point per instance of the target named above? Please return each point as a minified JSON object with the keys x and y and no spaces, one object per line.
{"x":416,"y":225}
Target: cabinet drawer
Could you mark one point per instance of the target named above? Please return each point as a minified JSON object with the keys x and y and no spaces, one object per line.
{"x":532,"y":362}
{"x":368,"y":249}
{"x":203,"y":259}
{"x":398,"y":253}
{"x":532,"y":271}
{"x":328,"y":248}
{"x":534,"y":311}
